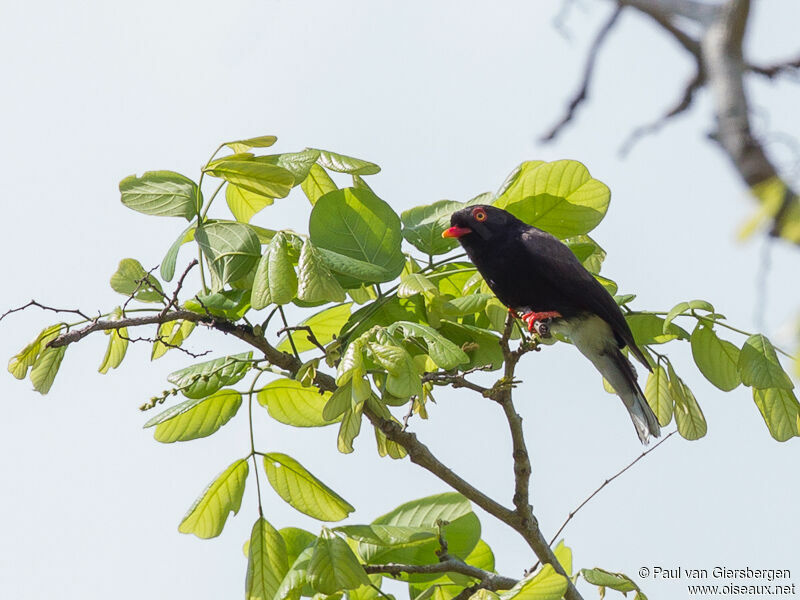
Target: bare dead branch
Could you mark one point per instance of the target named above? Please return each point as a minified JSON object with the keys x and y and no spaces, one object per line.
{"x":457,"y":380}
{"x":661,"y":14}
{"x":774,"y":70}
{"x":173,"y":302}
{"x":588,"y":71}
{"x":162,"y":340}
{"x":44,"y":307}
{"x":491,"y":581}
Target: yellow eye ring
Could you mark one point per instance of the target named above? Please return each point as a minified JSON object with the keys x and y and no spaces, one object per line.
{"x":479,"y":214}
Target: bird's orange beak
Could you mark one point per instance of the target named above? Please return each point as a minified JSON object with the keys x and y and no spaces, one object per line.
{"x":456,"y":232}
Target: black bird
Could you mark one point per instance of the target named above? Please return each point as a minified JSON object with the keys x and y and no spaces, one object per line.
{"x":537,"y":276}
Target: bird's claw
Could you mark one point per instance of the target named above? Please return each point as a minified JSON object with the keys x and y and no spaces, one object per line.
{"x":540,"y":322}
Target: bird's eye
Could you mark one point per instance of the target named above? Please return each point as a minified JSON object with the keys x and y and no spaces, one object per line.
{"x":479,"y":214}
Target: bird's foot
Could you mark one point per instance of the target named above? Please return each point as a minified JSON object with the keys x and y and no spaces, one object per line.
{"x":540,"y":321}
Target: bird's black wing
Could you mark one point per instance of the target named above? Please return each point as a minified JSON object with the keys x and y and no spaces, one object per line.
{"x":559,"y":269}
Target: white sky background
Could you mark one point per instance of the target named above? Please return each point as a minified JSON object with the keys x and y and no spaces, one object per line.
{"x":447,"y":97}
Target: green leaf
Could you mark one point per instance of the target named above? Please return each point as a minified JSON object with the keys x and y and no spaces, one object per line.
{"x":262,"y":141}
{"x":544,"y":585}
{"x":46,"y":367}
{"x":346,"y":164}
{"x":231,"y":304}
{"x":131,"y":279}
{"x":302,"y":490}
{"x":465,"y":305}
{"x":115,"y":352}
{"x":203,"y":379}
{"x":649,"y":329}
{"x":295,"y":580}
{"x":423,"y":226}
{"x":22,"y":361}
{"x":244,"y":204}
{"x":588,"y":252}
{"x":170,"y":335}
{"x":325,"y":325}
{"x":297,"y":163}
{"x":171,"y":257}
{"x":688,"y":417}
{"x":195,"y":418}
{"x":659,"y":396}
{"x":564,"y":555}
{"x":161,"y":193}
{"x":359,"y":236}
{"x":350,"y":428}
{"x":615,"y":581}
{"x":317,"y":184}
{"x":717,"y":359}
{"x":383,"y":311}
{"x":275,"y":280}
{"x":289,"y":402}
{"x":674,"y":312}
{"x":442,"y":351}
{"x":412,"y":284}
{"x":316,"y":282}
{"x":388,"y":536}
{"x":296,"y":540}
{"x":483,"y":557}
{"x":559,"y":197}
{"x":267,"y":562}
{"x":482,"y":346}
{"x":252,"y":175}
{"x":208,"y":514}
{"x":403,"y":378}
{"x":333,"y":566}
{"x":780,"y":410}
{"x":759,"y":366}
{"x":232,"y":250}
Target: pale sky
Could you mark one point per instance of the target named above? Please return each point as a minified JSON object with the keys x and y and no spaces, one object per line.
{"x":447,"y":97}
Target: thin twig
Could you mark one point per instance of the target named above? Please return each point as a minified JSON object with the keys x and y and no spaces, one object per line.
{"x":173,"y":302}
{"x":161,"y":340}
{"x":774,"y":70}
{"x":43,"y":307}
{"x":288,"y":333}
{"x":310,"y":337}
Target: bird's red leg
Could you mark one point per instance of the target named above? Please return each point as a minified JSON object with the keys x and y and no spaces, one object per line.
{"x":531,"y":318}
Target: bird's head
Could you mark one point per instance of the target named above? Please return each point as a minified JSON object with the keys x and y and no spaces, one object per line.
{"x":480,"y":222}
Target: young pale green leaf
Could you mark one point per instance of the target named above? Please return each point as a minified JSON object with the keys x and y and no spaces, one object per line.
{"x":115,"y":352}
{"x":717,"y":359}
{"x":649,"y":329}
{"x":297,"y":163}
{"x":296,"y":540}
{"x":659,"y":396}
{"x":388,"y":536}
{"x":350,"y":428}
{"x":22,"y":361}
{"x":317,"y":184}
{"x":483,"y":557}
{"x":232,"y":250}
{"x":359,"y":234}
{"x":403,"y":380}
{"x":302,"y":490}
{"x":333,"y":566}
{"x":170,"y":335}
{"x":296,"y":578}
{"x":161,"y":193}
{"x":615,"y":581}
{"x":289,"y":402}
{"x":252,"y":175}
{"x":780,"y":410}
{"x":423,"y":226}
{"x":203,"y":379}
{"x":267,"y":562}
{"x":346,"y":164}
{"x":195,"y":418}
{"x":688,"y":417}
{"x":206,"y":518}
{"x":171,"y":257}
{"x":564,"y":555}
{"x":560,"y":197}
{"x":262,"y":141}
{"x":325,"y":325}
{"x":130,"y":279}
{"x":759,"y":366}
{"x":46,"y":367}
{"x":484,"y":594}
{"x":243,"y":203}
{"x":442,"y":351}
{"x":412,"y":284}
{"x":481,"y":345}
{"x":466,"y":305}
{"x":544,"y":585}
{"x":275,"y":280}
{"x":387,"y":447}
{"x":588,"y":252}
{"x":681,"y":308}
{"x":316,"y":282}
{"x":231,"y":304}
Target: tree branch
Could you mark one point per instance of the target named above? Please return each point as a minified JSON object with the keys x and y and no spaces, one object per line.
{"x":489,"y":580}
{"x":774,"y":70}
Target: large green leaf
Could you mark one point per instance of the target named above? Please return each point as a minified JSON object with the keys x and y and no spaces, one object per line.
{"x":317,"y":183}
{"x":275,"y":281}
{"x":717,"y":359}
{"x":325,"y":325}
{"x":289,"y":402}
{"x":302,"y":490}
{"x":296,"y":578}
{"x":688,"y":417}
{"x":130,"y":279}
{"x":316,"y":283}
{"x":208,"y":514}
{"x":659,"y":396}
{"x":649,"y":329}
{"x":115,"y":352}
{"x":482,"y":346}
{"x":780,"y":410}
{"x":544,"y":585}
{"x":346,"y":164}
{"x":244,"y":203}
{"x":423,"y":226}
{"x":161,"y":193}
{"x":297,"y":163}
{"x":560,"y":197}
{"x":262,"y":141}
{"x":267,"y":562}
{"x":296,"y":540}
{"x":388,"y":536}
{"x":333,"y":566}
{"x":359,"y":235}
{"x":444,"y":353}
{"x":232,"y":250}
{"x":195,"y":418}
{"x":759,"y":366}
{"x":231,"y":304}
{"x":384,"y":311}
{"x":203,"y":379}
{"x":252,"y":175}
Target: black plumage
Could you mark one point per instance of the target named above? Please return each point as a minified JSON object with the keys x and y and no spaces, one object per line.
{"x":531,"y":271}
